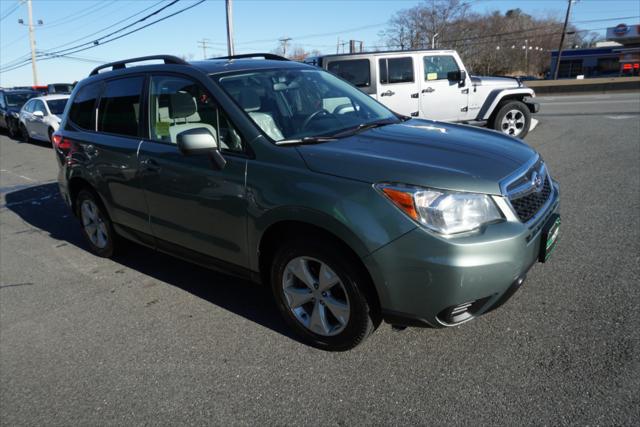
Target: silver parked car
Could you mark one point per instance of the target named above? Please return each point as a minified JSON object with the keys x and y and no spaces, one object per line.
{"x":40,"y":117}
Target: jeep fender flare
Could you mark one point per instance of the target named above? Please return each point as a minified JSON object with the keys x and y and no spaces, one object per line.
{"x":497,"y":95}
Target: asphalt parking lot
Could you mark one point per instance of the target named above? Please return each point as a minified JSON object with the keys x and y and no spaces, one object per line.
{"x":148,"y":339}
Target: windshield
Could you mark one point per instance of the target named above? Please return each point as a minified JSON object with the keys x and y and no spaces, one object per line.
{"x":56,"y":106}
{"x":18,"y":99}
{"x":297,"y":103}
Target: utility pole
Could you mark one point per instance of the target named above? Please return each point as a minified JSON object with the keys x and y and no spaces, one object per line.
{"x":204,"y":44}
{"x":230,"y":49}
{"x":284,"y":42}
{"x":526,"y":56}
{"x":564,"y":30}
{"x":338,"y":46}
{"x":32,"y":42}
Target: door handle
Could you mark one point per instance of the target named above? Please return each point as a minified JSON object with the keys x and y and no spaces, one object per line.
{"x":150,"y":165}
{"x":388,"y":93}
{"x":428,"y":90}
{"x":465,"y":91}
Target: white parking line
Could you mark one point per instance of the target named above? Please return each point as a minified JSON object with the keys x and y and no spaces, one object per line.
{"x":18,"y":175}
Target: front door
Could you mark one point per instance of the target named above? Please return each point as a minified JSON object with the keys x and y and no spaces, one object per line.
{"x":440,"y":98}
{"x":397,"y":85}
{"x":38,"y":128}
{"x":193,"y":204}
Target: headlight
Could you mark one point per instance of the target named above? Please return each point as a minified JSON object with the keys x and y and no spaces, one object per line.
{"x":14,"y":114}
{"x":445,"y":212}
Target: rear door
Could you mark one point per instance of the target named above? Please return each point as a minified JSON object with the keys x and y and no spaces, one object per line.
{"x":110,"y":154}
{"x":192,"y":204}
{"x":397,"y":84}
{"x":441,"y":99}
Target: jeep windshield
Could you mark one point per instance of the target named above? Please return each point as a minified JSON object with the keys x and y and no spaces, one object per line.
{"x":303,"y":105}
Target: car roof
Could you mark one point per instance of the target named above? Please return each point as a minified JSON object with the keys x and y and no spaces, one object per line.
{"x":388,"y":52}
{"x":53,"y":97}
{"x":215,"y":66}
{"x":19,"y":91}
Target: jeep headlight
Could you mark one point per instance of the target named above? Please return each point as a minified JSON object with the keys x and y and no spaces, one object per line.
{"x":445,"y":212}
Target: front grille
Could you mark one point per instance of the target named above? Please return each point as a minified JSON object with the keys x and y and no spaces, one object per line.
{"x":529,"y":205}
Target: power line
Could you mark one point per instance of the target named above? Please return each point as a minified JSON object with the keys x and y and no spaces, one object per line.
{"x":11,"y":10}
{"x":97,"y":41}
{"x":115,"y":38}
{"x":79,"y":14}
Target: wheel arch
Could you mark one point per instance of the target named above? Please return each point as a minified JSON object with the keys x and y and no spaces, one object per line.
{"x":499,"y":96}
{"x":284,"y":229}
{"x":75,"y":185}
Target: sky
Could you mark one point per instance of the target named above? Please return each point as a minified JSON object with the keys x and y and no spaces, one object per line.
{"x":258,"y":24}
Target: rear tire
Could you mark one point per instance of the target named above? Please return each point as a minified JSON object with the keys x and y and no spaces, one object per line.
{"x":96,"y":224}
{"x":11,"y":129}
{"x":328,"y":309}
{"x":24,"y":134}
{"x":513,"y":119}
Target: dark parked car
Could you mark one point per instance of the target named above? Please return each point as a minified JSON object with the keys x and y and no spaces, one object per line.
{"x":285,"y":174}
{"x":11,"y":101}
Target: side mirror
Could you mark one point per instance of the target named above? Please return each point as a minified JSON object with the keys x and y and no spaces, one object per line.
{"x":38,"y":113}
{"x":201,"y":141}
{"x":457,"y":76}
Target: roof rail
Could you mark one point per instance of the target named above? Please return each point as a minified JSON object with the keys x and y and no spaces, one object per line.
{"x":118,"y":65}
{"x":255,"y":55}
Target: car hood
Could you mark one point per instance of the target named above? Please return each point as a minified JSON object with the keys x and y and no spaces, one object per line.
{"x":422,"y":152}
{"x":495,"y":81}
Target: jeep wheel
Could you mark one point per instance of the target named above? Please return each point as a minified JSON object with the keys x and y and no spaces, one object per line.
{"x":96,"y":225}
{"x":317,"y":291}
{"x":513,"y":119}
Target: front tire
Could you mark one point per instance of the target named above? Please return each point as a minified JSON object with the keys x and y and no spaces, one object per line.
{"x":513,"y":118}
{"x":96,"y":225}
{"x":319,"y":293}
{"x":11,"y":129}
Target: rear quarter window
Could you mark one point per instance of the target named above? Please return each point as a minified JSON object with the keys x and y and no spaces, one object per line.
{"x":355,"y":71}
{"x":82,"y":110}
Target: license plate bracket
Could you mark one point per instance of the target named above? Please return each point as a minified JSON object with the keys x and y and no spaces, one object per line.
{"x":549,"y":237}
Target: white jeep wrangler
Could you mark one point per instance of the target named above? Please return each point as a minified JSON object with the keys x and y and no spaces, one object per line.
{"x":434,"y":84}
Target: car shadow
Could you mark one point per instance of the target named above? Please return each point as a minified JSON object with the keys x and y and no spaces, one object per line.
{"x":42,"y":207}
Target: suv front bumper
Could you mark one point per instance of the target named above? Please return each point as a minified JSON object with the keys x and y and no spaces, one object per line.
{"x":426,"y":280}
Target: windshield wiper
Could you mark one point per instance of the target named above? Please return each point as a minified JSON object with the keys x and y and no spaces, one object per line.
{"x":305,"y":140}
{"x":364,"y":126}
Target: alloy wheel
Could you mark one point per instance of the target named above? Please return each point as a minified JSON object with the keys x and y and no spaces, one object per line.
{"x":513,"y":122}
{"x":93,"y":224}
{"x":316,"y":296}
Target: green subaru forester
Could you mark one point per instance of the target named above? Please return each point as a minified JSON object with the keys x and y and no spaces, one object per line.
{"x":285,"y":174}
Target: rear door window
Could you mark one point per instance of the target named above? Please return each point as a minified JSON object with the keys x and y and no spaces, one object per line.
{"x":356,"y":71}
{"x":119,"y":109}
{"x":82,"y":110}
{"x":438,"y":66}
{"x":396,"y":70}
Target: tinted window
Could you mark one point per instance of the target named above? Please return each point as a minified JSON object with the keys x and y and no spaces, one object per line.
{"x":396,"y":70}
{"x":2,"y":100}
{"x":56,"y":106}
{"x":119,"y":109}
{"x":39,"y":106}
{"x":437,"y":67}
{"x":178,"y":104}
{"x":18,"y":99}
{"x":355,"y":71}
{"x":61,"y":88}
{"x":83,"y":107}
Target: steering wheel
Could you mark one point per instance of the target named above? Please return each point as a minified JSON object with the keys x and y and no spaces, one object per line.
{"x":314,"y":116}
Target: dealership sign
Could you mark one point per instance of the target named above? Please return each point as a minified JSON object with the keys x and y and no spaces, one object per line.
{"x":625,"y":34}
{"x":621,"y":29}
